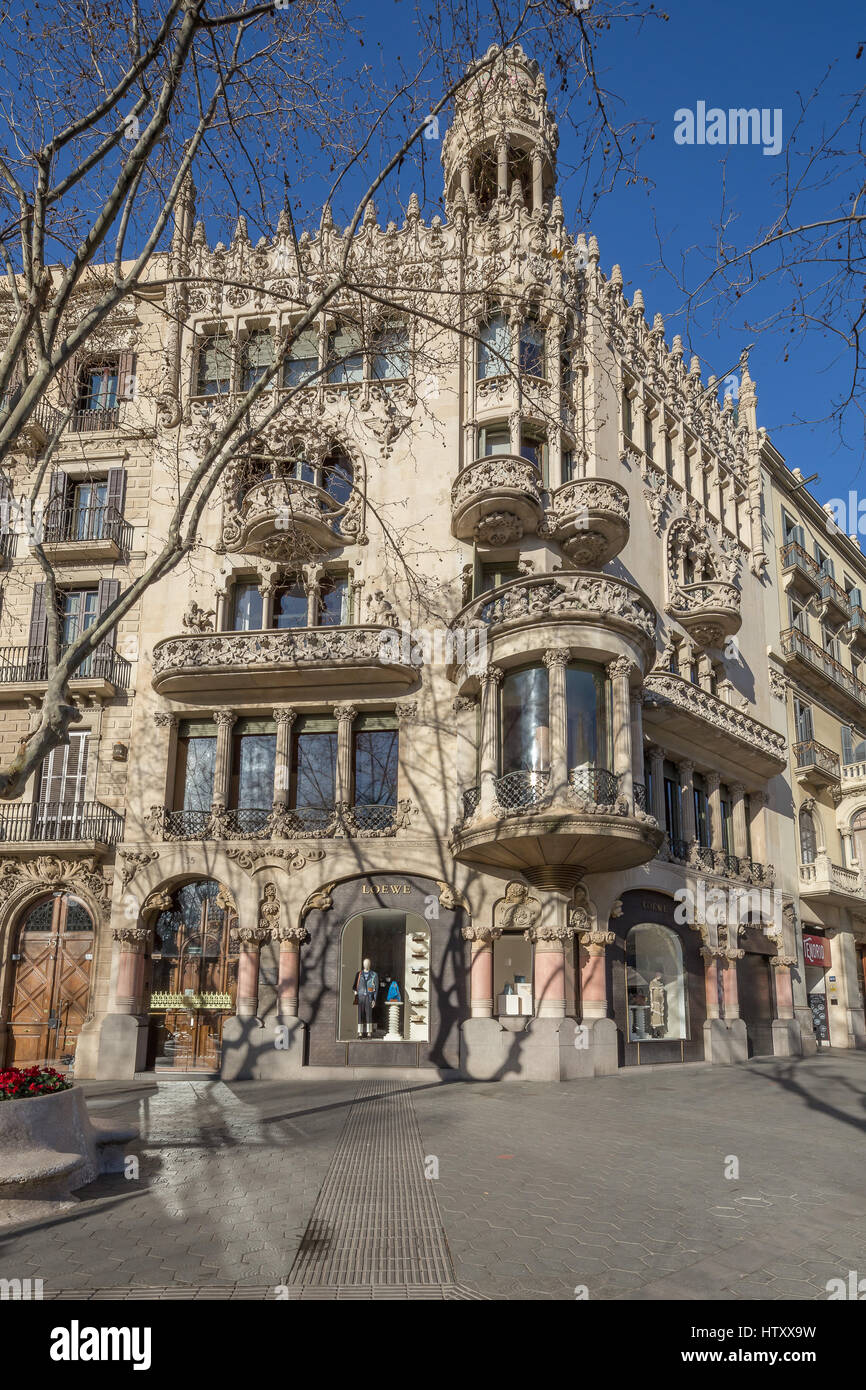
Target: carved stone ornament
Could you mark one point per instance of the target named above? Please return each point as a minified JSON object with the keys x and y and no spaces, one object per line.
{"x":250,"y":938}
{"x":160,"y":901}
{"x":131,"y":939}
{"x":250,"y":857}
{"x":290,"y":936}
{"x":133,"y":860}
{"x":47,"y":873}
{"x":597,"y":938}
{"x":601,"y":598}
{"x":499,"y":528}
{"x":320,"y":900}
{"x":520,"y":910}
{"x":779,"y":683}
{"x":269,"y":909}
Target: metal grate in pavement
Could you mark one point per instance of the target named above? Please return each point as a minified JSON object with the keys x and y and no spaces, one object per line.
{"x":376,"y":1221}
{"x":251,"y":1292}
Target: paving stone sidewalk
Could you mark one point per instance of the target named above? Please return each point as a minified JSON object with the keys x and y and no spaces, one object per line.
{"x":617,"y":1185}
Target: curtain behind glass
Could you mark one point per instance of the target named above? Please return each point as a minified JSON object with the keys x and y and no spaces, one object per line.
{"x":376,"y":767}
{"x":525,"y":721}
{"x":200,"y":766}
{"x":247,"y":608}
{"x":256,"y":758}
{"x":586,"y":732}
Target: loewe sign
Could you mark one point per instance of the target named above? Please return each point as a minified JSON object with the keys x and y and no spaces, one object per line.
{"x":386,"y":888}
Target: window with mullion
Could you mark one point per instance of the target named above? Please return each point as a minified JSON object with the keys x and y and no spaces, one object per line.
{"x":494,"y":347}
{"x":215,"y":360}
{"x":99,"y":385}
{"x":375,"y":759}
{"x":257,"y":357}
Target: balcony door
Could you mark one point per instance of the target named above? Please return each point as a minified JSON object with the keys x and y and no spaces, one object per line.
{"x":51,"y":982}
{"x":60,"y":805}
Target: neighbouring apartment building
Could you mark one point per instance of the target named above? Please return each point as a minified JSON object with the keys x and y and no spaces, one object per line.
{"x":508,"y":661}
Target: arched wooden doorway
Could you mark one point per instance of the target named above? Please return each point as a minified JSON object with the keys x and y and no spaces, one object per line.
{"x":52,"y":955}
{"x":194,"y":978}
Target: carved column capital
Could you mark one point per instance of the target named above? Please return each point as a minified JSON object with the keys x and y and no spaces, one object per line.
{"x":251,"y":938}
{"x":481,"y":935}
{"x":549,"y":934}
{"x":597,"y":940}
{"x":622,"y":666}
{"x":290,"y":936}
{"x":285,"y":714}
{"x":556,"y":656}
{"x":224,"y":718}
{"x":132,"y":939}
{"x":165,"y":720}
{"x":783,"y":962}
{"x":492,"y":675}
{"x":345,"y":712}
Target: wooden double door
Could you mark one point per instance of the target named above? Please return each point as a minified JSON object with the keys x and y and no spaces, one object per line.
{"x":51,"y":959}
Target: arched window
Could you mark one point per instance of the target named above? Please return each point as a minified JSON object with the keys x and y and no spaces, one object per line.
{"x":484,"y":180}
{"x":858,"y":832}
{"x":397,"y":947}
{"x":655,"y":984}
{"x":808,"y":838}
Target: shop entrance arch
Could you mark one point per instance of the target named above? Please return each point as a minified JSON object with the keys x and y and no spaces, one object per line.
{"x":52,"y":955}
{"x":397,"y":945}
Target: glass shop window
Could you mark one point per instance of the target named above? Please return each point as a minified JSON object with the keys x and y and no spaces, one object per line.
{"x":512,"y":975}
{"x":586,"y":694}
{"x":655,"y":984}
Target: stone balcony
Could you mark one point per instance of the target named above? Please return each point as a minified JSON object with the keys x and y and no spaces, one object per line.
{"x":741,"y":745}
{"x":587,"y":612}
{"x":590,"y":520}
{"x":824,"y":884}
{"x":276,"y":506}
{"x":554,"y":836}
{"x":853,"y":778}
{"x":815,"y":765}
{"x":497,"y":500}
{"x":316,"y":662}
{"x":709,"y":611}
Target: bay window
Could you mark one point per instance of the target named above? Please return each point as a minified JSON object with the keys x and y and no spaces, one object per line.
{"x":494,"y":347}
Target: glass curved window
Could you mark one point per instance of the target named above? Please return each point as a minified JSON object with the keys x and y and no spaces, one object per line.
{"x":587,"y":735}
{"x":808,"y":839}
{"x":532,"y":340}
{"x":525,"y":721}
{"x":337,"y":478}
{"x":655,"y":984}
{"x":247,"y":608}
{"x":494,"y":347}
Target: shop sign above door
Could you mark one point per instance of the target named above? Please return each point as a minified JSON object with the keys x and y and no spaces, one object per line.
{"x":816,"y":951}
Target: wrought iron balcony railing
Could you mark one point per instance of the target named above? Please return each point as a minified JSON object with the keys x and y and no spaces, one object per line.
{"x":471,"y":798}
{"x":796,"y":643}
{"x":640,"y":796}
{"x":594,"y":784}
{"x":48,"y":821}
{"x":65,"y":525}
{"x":811,"y":754}
{"x":85,"y":421}
{"x":794,"y":557}
{"x":265,"y":823}
{"x":521,"y":788}
{"x":21,"y":664}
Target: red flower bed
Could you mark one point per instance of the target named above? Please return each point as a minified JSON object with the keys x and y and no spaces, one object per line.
{"x":17,"y":1083}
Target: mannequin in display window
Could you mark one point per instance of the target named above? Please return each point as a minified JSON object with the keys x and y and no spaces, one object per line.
{"x":658,"y":1002}
{"x":366,"y":989}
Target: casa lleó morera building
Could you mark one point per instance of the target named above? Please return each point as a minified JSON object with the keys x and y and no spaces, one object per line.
{"x":468,"y":675}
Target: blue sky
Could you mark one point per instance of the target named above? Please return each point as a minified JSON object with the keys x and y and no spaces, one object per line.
{"x":737,"y":54}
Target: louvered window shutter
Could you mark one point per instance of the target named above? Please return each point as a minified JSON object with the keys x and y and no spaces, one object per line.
{"x":38,"y":638}
{"x":115,"y":498}
{"x":104,"y":655}
{"x":126,"y":376}
{"x":58,"y":494}
{"x":847,"y":744}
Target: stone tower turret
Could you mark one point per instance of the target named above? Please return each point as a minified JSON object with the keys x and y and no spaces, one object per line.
{"x":502,"y":133}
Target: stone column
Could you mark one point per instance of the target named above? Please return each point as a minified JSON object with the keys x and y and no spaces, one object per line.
{"x":550,"y":935}
{"x":536,"y":181}
{"x":637,"y":751}
{"x":619,"y":672}
{"x":267,"y":587}
{"x":170,"y":722}
{"x":345,"y":717}
{"x":657,"y":772}
{"x":491,"y":679}
{"x":221,"y":618}
{"x":711,"y":956}
{"x":760,"y":840}
{"x":250,"y":939}
{"x":687,"y":788}
{"x":714,"y":802}
{"x":284,"y":718}
{"x":291,"y":939}
{"x":502,"y":165}
{"x":557,"y":666}
{"x":593,"y":972}
{"x":224,"y":720}
{"x":130,"y":945}
{"x":481,"y":968}
{"x":729,"y":981}
{"x":312,"y":588}
{"x":738,"y":809}
{"x":784,"y":993}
